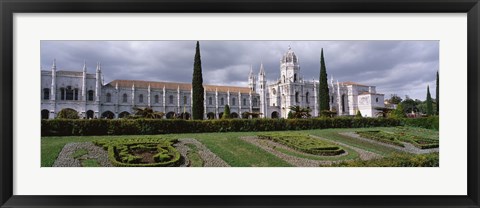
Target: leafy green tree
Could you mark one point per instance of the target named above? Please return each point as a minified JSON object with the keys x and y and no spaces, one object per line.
{"x":147,"y":113}
{"x":409,"y":105}
{"x":359,"y":114}
{"x":290,"y":115}
{"x":429,"y":102}
{"x":299,"y":112}
{"x":323,"y":95}
{"x":68,"y":113}
{"x":395,"y":99}
{"x":437,"y":99}
{"x":399,"y":112}
{"x":226,"y":112}
{"x":197,"y":87}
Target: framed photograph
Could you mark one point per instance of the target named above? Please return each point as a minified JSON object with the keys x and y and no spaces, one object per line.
{"x":247,"y":104}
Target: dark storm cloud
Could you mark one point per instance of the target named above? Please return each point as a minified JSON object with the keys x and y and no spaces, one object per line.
{"x":395,"y":67}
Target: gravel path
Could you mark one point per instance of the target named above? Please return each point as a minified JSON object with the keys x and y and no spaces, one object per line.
{"x":363,"y":154}
{"x":269,"y":146}
{"x":65,"y":159}
{"x":410,"y":148}
{"x":208,"y":157}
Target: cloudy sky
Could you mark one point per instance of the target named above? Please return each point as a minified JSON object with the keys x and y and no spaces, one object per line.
{"x":395,"y":67}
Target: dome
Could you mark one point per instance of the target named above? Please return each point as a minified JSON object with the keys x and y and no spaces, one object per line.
{"x":289,"y":56}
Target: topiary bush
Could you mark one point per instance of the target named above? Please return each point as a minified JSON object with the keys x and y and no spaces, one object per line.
{"x":68,"y":113}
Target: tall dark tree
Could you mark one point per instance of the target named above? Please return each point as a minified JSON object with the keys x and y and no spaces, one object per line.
{"x":429,"y":102}
{"x":197,"y":87}
{"x":323,"y":96}
{"x":226,"y":112}
{"x":438,"y":95}
{"x":395,"y":99}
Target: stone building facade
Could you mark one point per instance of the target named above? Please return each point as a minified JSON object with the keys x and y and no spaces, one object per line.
{"x":87,"y":94}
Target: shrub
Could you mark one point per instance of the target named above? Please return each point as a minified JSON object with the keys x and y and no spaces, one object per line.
{"x":68,"y":113}
{"x":431,"y":122}
{"x":396,"y":160}
{"x":84,"y":127}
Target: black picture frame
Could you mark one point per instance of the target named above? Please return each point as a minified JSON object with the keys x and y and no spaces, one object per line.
{"x":10,"y":7}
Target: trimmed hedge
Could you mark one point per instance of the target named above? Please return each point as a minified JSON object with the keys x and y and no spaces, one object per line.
{"x":120,"y":156}
{"x":431,"y":122}
{"x":86,"y":127}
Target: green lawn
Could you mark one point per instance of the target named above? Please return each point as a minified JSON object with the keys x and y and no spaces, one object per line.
{"x":233,"y":150}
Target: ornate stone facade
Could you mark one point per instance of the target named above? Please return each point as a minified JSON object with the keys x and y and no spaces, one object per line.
{"x":92,"y":98}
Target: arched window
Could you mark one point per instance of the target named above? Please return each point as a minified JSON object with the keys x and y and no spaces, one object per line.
{"x":69,"y":93}
{"x":376,"y":99}
{"x":156,"y":99}
{"x":296,"y":97}
{"x":244,"y":101}
{"x":140,"y":98}
{"x":90,"y":95}
{"x":46,"y":93}
{"x":210,"y":100}
{"x":170,"y":99}
{"x":331,"y":99}
{"x":62,"y":94}
{"x":255,"y":102}
{"x":233,"y":101}
{"x":125,"y":98}
{"x":343,"y":103}
{"x":284,"y":79}
{"x":109,"y":97}
{"x":295,"y":78}
{"x":75,"y":93}
{"x":184,"y":100}
{"x":306,"y":97}
{"x":222,"y":102}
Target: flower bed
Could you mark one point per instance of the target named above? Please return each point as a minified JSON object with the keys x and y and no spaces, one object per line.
{"x":401,"y":135}
{"x":141,"y":152}
{"x":303,"y":143}
{"x":381,"y":136}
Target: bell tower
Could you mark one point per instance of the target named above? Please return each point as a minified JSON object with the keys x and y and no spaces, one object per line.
{"x":289,"y":67}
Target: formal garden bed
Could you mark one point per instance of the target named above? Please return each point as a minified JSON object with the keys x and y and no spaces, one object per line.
{"x":303,"y":143}
{"x":420,"y":138}
{"x":303,"y":148}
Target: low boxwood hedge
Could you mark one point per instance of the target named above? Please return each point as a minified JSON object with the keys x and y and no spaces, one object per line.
{"x":86,"y":127}
{"x":303,"y":143}
{"x":120,"y":152}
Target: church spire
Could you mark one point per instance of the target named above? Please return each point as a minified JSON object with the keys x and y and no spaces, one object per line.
{"x":84,"y":65}
{"x":262,"y":70}
{"x":54,"y":65}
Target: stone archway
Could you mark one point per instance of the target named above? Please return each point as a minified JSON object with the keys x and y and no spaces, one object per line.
{"x":108,"y":115}
{"x":210,"y":115}
{"x":275,"y":114}
{"x":170,"y":115}
{"x":124,"y":114}
{"x":233,"y":115}
{"x":90,"y":114}
{"x":45,"y":114}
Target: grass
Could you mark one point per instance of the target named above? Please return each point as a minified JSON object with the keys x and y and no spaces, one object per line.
{"x":236,"y":152}
{"x":90,"y":163}
{"x":421,"y":138}
{"x":194,"y":157}
{"x":79,"y":153}
{"x":397,"y":160}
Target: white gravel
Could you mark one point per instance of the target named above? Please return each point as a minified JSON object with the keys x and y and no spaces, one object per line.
{"x":410,"y":148}
{"x":65,"y":158}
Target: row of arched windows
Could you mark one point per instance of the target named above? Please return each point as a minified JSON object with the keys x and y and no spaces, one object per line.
{"x":67,"y":94}
{"x":233,"y":103}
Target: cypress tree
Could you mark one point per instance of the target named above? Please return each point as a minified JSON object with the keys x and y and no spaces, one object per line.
{"x":323,"y":96}
{"x":437,"y":98}
{"x":429,"y":103}
{"x":226,"y":112}
{"x":197,"y":87}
